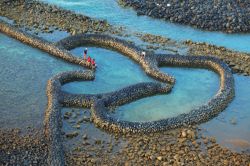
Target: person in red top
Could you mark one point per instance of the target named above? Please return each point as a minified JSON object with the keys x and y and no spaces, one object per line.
{"x":93,"y":62}
{"x":89,"y":59}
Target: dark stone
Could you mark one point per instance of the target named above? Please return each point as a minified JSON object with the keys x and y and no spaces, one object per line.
{"x":208,"y":15}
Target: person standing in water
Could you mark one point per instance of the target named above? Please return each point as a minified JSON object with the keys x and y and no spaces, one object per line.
{"x":85,"y":53}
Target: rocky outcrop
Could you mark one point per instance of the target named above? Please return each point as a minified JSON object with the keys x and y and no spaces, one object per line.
{"x":46,"y":18}
{"x":229,"y":16}
{"x":238,"y":61}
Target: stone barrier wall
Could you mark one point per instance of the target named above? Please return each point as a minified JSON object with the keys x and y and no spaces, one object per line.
{"x":41,"y":44}
{"x":100,"y":103}
{"x":52,"y":119}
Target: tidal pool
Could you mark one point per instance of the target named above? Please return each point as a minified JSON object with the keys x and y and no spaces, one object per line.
{"x":25,"y":71}
{"x":193,"y":86}
{"x":114,"y":71}
{"x":114,"y":14}
{"x":232,"y":126}
{"x":24,"y":74}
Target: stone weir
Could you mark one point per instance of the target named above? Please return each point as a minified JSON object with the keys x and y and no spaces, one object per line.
{"x":41,"y":44}
{"x":100,"y":103}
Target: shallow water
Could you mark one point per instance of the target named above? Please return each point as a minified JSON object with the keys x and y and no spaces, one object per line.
{"x":114,"y":14}
{"x":24,"y":74}
{"x":193,"y":87}
{"x":232,"y":126}
{"x":115,"y":72}
{"x":86,"y":129}
{"x":181,"y":99}
{"x":25,"y":71}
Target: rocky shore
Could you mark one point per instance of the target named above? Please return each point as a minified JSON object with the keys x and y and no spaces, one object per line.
{"x":239,"y":62}
{"x":47,"y":18}
{"x":184,"y":146}
{"x":100,"y":102}
{"x":231,"y":16}
{"x":18,"y":148}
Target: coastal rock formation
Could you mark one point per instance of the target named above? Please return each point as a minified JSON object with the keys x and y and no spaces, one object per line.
{"x":238,"y":61}
{"x":47,"y":18}
{"x":229,"y":16}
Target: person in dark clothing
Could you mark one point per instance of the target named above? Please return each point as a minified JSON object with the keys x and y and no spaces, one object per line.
{"x":85,"y":52}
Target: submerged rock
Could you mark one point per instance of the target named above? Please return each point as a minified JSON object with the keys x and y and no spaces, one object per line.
{"x":67,"y":115}
{"x":233,"y":121}
{"x":72,"y":135}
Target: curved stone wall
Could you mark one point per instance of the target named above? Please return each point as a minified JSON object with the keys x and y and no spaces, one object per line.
{"x":198,"y":115}
{"x":149,"y":63}
{"x":57,"y":99}
{"x":52,"y":119}
{"x":41,"y":44}
{"x":99,"y":103}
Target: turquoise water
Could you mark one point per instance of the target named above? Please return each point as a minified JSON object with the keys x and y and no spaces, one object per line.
{"x":114,"y":14}
{"x":24,"y":74}
{"x":115,"y":71}
{"x":25,"y":71}
{"x":193,"y":87}
{"x":232,"y":126}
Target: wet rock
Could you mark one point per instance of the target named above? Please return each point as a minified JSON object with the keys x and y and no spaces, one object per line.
{"x":43,"y":16}
{"x":191,"y":133}
{"x":212,"y":140}
{"x":85,"y":137}
{"x":98,"y":142}
{"x":233,"y":121}
{"x":77,"y":126}
{"x":209,"y":15}
{"x":205,"y":141}
{"x":67,"y":115}
{"x":72,"y":135}
{"x":232,"y":58}
{"x":85,"y":119}
{"x":74,"y":115}
{"x":159,"y":158}
{"x":183,"y":134}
